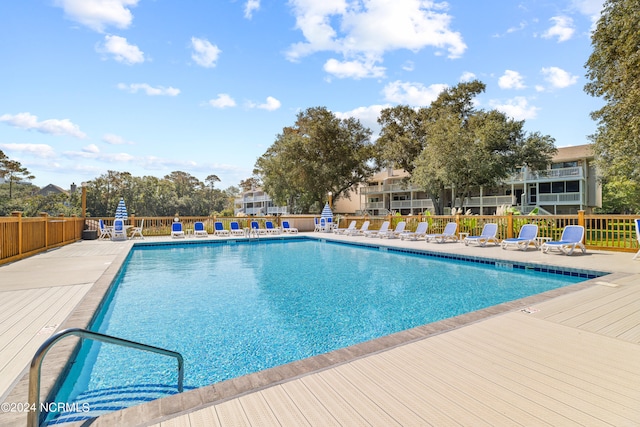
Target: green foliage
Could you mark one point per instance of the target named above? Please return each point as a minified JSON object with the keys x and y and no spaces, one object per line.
{"x":620,"y":195}
{"x":613,"y":70}
{"x":319,"y":154}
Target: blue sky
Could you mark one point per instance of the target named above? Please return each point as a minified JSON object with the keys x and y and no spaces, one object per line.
{"x":155,"y":86}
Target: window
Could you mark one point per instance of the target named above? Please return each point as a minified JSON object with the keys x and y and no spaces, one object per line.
{"x":557,"y":187}
{"x":544,"y":187}
{"x":573,"y":186}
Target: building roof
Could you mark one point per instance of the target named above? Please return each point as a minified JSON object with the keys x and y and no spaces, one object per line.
{"x":52,"y":189}
{"x":575,"y":152}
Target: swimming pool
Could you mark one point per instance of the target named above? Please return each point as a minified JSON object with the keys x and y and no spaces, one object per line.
{"x":238,"y":307}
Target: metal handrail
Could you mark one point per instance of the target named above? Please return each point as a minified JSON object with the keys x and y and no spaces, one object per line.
{"x":33,"y":418}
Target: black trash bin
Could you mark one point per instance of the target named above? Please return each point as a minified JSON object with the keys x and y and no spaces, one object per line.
{"x":89,"y":234}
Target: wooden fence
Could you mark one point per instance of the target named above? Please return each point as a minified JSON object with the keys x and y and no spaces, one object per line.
{"x":21,"y":237}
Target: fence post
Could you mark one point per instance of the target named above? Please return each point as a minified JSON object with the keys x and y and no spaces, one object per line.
{"x":582,"y":222}
{"x":509,"y":225}
{"x":46,"y":229}
{"x":18,"y":215}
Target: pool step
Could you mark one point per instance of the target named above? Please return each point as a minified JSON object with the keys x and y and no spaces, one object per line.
{"x":98,"y":402}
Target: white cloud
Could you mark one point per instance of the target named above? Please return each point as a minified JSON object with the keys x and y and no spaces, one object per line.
{"x":222,"y":101}
{"x":412,"y":93}
{"x":511,"y":80}
{"x":271,"y":104}
{"x":204,"y":53}
{"x":98,"y":14}
{"x":590,"y":8}
{"x":115,"y":139}
{"x":563,"y":29}
{"x":91,"y":148}
{"x":249,"y":7}
{"x":558,"y":77}
{"x":369,"y":29}
{"x":149,"y":90}
{"x":467,"y":76}
{"x":368,"y":116}
{"x":408,"y":66}
{"x":353,"y":69}
{"x":52,"y":126}
{"x":517,"y":108}
{"x":121,"y":50}
{"x":38,"y":150}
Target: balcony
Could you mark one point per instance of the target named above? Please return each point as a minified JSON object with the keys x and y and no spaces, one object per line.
{"x":546,"y":175}
{"x":488,"y":201}
{"x":559,"y":199}
{"x":412,"y":204}
{"x":389,"y":188}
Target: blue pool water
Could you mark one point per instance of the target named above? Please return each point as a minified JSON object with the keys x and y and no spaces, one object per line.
{"x":234,"y":309}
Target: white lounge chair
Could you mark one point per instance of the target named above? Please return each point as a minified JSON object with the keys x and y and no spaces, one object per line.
{"x":286,"y":228}
{"x":235,"y":229}
{"x":528,"y":235}
{"x":420,"y":233}
{"x":374,"y":233}
{"x":392,"y":234}
{"x":571,"y":239}
{"x":177,"y":231}
{"x":449,"y":233}
{"x":488,"y":234}
{"x":119,"y":231}
{"x":317,"y":224}
{"x":359,"y":231}
{"x":137,"y":231}
{"x":637,"y":221}
{"x":352,"y":226}
{"x":218,"y":229}
{"x":105,"y":232}
{"x":198,"y":229}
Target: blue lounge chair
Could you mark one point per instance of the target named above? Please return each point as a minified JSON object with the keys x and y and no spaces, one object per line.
{"x":571,"y":239}
{"x":420,"y":233}
{"x":218,"y":229}
{"x":105,"y":232}
{"x":235,"y":229}
{"x":287,"y":228}
{"x":528,"y":235}
{"x":270,"y":228}
{"x":255,"y":227}
{"x":177,"y":231}
{"x":487,"y":235}
{"x":317,"y":224}
{"x":637,"y":221}
{"x":449,"y":233}
{"x":119,"y":232}
{"x":198,"y":229}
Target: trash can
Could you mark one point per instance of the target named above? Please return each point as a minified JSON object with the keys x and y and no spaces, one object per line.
{"x":89,"y":234}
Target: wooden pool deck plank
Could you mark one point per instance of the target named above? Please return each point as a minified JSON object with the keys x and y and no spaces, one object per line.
{"x":571,"y":360}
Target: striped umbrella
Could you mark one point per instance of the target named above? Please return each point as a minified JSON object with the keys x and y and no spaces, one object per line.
{"x":327,"y":215}
{"x":121,"y":210}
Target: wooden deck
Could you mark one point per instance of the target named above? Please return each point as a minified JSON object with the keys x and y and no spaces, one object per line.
{"x":574,"y":360}
{"x":568,"y":360}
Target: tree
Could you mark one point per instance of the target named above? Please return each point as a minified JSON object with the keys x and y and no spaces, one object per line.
{"x":13,"y":171}
{"x":613,"y":70}
{"x":319,"y":154}
{"x":466,"y":148}
{"x":402,"y":137}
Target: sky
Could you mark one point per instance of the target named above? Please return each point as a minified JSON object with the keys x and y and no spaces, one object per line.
{"x":204,"y":87}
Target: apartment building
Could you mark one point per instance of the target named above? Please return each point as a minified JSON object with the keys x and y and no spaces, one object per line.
{"x":568,"y":185}
{"x":257,"y":202}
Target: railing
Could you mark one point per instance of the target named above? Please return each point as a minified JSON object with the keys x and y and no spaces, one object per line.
{"x":547,"y":174}
{"x":487,"y":201}
{"x":389,"y":188}
{"x":604,"y":232}
{"x":21,"y":237}
{"x":412,"y":204}
{"x":33,"y":417}
{"x":559,"y":198}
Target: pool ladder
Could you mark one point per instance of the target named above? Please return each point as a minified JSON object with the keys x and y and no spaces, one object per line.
{"x":33,"y":417}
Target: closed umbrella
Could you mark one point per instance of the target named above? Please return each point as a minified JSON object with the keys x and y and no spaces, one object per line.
{"x":121,"y":210}
{"x":327,"y":215}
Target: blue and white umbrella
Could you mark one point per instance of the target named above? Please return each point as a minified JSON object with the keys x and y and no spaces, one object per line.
{"x":327,"y":215}
{"x":121,"y":210}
